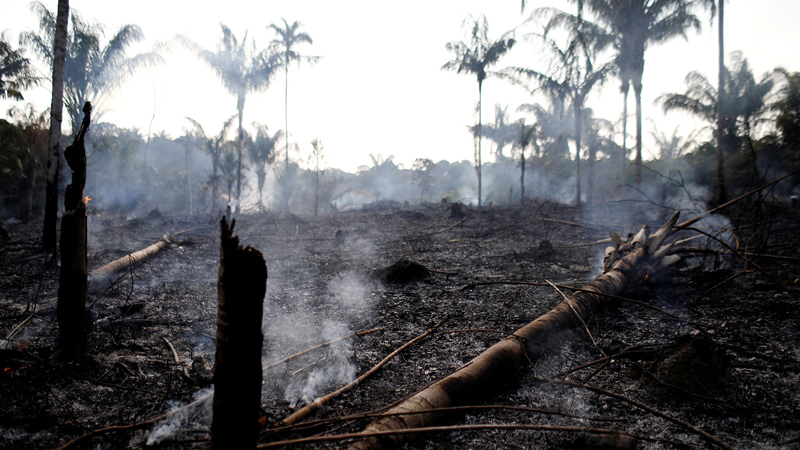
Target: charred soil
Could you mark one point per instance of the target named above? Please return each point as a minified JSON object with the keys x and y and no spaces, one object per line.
{"x":726,"y":358}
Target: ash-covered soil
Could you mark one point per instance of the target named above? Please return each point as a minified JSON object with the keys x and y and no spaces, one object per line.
{"x":722,"y":356}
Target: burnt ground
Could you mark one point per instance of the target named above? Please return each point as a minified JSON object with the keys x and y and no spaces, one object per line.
{"x":729,"y":366}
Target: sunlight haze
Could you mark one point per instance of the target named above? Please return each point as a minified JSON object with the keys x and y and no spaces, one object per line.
{"x":379,"y":88}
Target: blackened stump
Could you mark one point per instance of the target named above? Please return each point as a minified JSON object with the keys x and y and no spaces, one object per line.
{"x":237,"y":374}
{"x":71,"y":308}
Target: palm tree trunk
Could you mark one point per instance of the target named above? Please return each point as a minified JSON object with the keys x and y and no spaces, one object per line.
{"x":262,"y":175}
{"x":214,"y":181}
{"x":578,"y":117}
{"x":239,"y":146}
{"x":30,"y":186}
{"x":49,"y":235}
{"x":522,"y":176}
{"x":623,"y":156}
{"x":286,"y":110}
{"x":637,"y":91}
{"x":720,"y":195}
{"x":480,"y":135}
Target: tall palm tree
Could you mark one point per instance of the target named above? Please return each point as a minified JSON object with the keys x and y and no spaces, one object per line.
{"x":572,"y":76}
{"x":744,"y":101}
{"x":91,"y":72}
{"x":635,"y":24}
{"x":475,"y":58}
{"x":261,"y":152}
{"x":288,"y":38}
{"x":16,"y":72}
{"x":720,"y":194}
{"x":214,"y":146}
{"x":242,"y":70}
{"x":526,"y":138}
{"x":49,"y":232}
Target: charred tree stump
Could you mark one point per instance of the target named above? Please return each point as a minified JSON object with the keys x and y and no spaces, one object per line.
{"x":237,"y":375}
{"x":71,"y":308}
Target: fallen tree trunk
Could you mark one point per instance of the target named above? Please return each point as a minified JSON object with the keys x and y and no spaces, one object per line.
{"x":500,"y":365}
{"x":103,"y":277}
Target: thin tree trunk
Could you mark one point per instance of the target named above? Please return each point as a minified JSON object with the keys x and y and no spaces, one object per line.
{"x":239,"y":156}
{"x":623,"y":156}
{"x":237,"y":374}
{"x":49,"y":234}
{"x":30,"y":186}
{"x":578,"y":129}
{"x":590,"y":174}
{"x":720,"y":194}
{"x":499,"y":366}
{"x":71,"y":307}
{"x":480,"y":137}
{"x":522,"y":176}
{"x":286,"y":109}
{"x":214,"y":181}
{"x":637,"y":91}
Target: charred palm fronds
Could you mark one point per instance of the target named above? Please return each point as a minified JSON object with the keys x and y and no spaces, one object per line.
{"x":71,"y":309}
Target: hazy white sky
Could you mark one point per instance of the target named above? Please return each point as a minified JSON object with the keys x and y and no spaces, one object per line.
{"x":379,"y":88}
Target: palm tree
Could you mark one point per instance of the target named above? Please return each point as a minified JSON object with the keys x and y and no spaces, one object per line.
{"x":92,"y":73}
{"x":262,"y":154}
{"x":788,"y":109}
{"x":214,"y":146}
{"x":49,"y":232}
{"x":743,"y":103}
{"x":242,"y":70}
{"x":475,"y":58}
{"x":527,"y":135}
{"x":288,"y":38}
{"x":673,"y":146}
{"x":635,"y":24}
{"x":572,"y":76}
{"x":720,"y":195}
{"x":501,"y":132}
{"x":16,"y":72}
{"x":228,"y":167}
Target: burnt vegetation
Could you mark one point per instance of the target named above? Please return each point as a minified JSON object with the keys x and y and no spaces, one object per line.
{"x":564,"y":298}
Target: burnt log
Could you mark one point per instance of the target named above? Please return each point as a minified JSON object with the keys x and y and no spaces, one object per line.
{"x":237,"y":374}
{"x":103,"y":277}
{"x":72,"y":280}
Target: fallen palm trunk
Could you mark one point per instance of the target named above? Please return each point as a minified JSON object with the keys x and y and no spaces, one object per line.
{"x":500,"y":365}
{"x":103,"y":277}
{"x":237,"y":375}
{"x":71,"y":307}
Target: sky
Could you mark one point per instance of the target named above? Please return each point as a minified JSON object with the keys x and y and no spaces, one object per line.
{"x":378,"y":88}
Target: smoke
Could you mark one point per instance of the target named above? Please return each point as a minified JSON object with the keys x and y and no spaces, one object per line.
{"x":193,"y":415}
{"x":347,"y":300}
{"x":307,"y":305}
